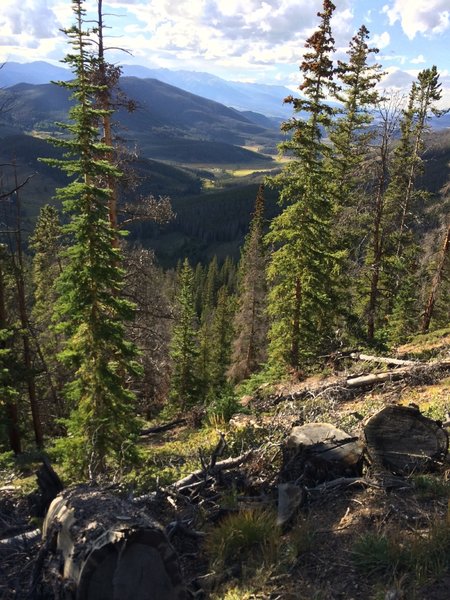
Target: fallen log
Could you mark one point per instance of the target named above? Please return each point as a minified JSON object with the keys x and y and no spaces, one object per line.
{"x":99,"y":547}
{"x":197,"y":476}
{"x":376,"y":378}
{"x":163,"y":427}
{"x":403,"y":440}
{"x":387,"y":360}
{"x":20,"y":541}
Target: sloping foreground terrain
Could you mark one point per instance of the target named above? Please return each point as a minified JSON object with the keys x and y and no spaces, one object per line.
{"x":216,"y":488}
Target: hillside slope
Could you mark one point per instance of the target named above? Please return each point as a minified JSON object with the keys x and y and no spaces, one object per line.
{"x":168,"y":123}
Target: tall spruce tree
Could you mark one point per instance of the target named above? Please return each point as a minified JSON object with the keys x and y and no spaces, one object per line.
{"x":303,"y":264}
{"x":221,"y":338}
{"x":91,"y":311}
{"x":250,"y":322}
{"x":406,"y":201}
{"x":352,"y":132}
{"x":388,"y":118}
{"x":184,"y":390}
{"x":9,"y":409}
{"x":46,"y":243}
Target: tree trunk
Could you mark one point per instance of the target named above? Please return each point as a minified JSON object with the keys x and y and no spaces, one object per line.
{"x":24,"y":321}
{"x":403,"y":440}
{"x":431,"y":301}
{"x":99,"y":547}
{"x":15,"y":442}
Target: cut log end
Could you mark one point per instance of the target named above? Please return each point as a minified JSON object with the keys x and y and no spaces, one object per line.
{"x":100,"y":547}
{"x":403,"y":440}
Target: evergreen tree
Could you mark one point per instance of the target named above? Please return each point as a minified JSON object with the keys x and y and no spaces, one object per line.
{"x":408,"y":161}
{"x":204,"y":361}
{"x":46,"y":242}
{"x":380,"y":221}
{"x":303,"y":265}
{"x":406,"y":206}
{"x":211,"y":286}
{"x":351,"y":135}
{"x":221,"y":338}
{"x":8,"y":366}
{"x":91,"y":310}
{"x":47,"y":264}
{"x":439,"y":275}
{"x":250,"y":323}
{"x":199,"y":282}
{"x":352,"y":132}
{"x":184,"y":389}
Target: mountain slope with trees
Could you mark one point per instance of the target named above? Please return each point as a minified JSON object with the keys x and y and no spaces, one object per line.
{"x":333,"y":317}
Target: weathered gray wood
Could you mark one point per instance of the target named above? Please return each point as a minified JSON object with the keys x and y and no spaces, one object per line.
{"x":403,"y":440}
{"x":387,"y":360}
{"x":376,"y":378}
{"x":201,"y":474}
{"x":290,"y":497}
{"x":19,"y":541}
{"x":319,"y":451}
{"x":100,"y":547}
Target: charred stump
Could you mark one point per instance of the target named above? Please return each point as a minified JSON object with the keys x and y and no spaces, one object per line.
{"x":100,"y":547}
{"x":403,"y":440}
{"x":318,"y":452}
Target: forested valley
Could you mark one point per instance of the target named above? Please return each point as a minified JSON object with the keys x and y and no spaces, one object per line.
{"x":176,"y":306}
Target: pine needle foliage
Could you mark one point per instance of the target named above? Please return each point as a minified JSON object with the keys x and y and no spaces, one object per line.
{"x":303,"y":263}
{"x":184,"y":350}
{"x":250,"y":322}
{"x":90,"y":310}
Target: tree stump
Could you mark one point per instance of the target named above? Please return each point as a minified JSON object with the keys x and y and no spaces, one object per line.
{"x":318,"y":452}
{"x":99,"y":547}
{"x":403,"y":440}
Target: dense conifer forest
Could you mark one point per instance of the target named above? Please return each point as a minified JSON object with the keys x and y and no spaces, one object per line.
{"x":344,"y":248}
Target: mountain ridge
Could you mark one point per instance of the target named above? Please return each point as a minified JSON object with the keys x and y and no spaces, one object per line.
{"x":259,"y":98}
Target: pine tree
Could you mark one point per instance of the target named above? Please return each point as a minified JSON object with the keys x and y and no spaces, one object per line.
{"x":92,"y":312}
{"x":406,"y":206}
{"x":438,"y":276}
{"x":211,"y":286}
{"x":352,"y":132}
{"x":380,"y":221}
{"x":303,"y":265}
{"x":184,"y":391}
{"x":408,"y":161}
{"x":250,"y":323}
{"x":46,"y":242}
{"x":8,"y":365}
{"x":221,"y":338}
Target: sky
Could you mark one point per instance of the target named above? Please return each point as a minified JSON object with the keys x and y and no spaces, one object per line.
{"x":240,"y":40}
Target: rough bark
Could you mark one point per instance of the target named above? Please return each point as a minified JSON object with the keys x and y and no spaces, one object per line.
{"x":439,"y":273}
{"x":401,"y":439}
{"x":317,"y":452}
{"x":387,"y":360}
{"x":99,"y":547}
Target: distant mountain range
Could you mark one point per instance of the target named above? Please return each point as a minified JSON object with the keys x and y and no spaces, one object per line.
{"x":253,"y":97}
{"x":168,"y":124}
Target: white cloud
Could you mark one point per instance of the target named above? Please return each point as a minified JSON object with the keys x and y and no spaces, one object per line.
{"x":31,"y":19}
{"x":427,"y":17}
{"x":381,"y":41}
{"x":419,"y":60}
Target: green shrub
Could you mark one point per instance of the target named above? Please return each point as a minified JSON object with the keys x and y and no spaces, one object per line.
{"x":251,"y":538}
{"x":377,"y":553}
{"x":224,"y":406}
{"x":431,"y":486}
